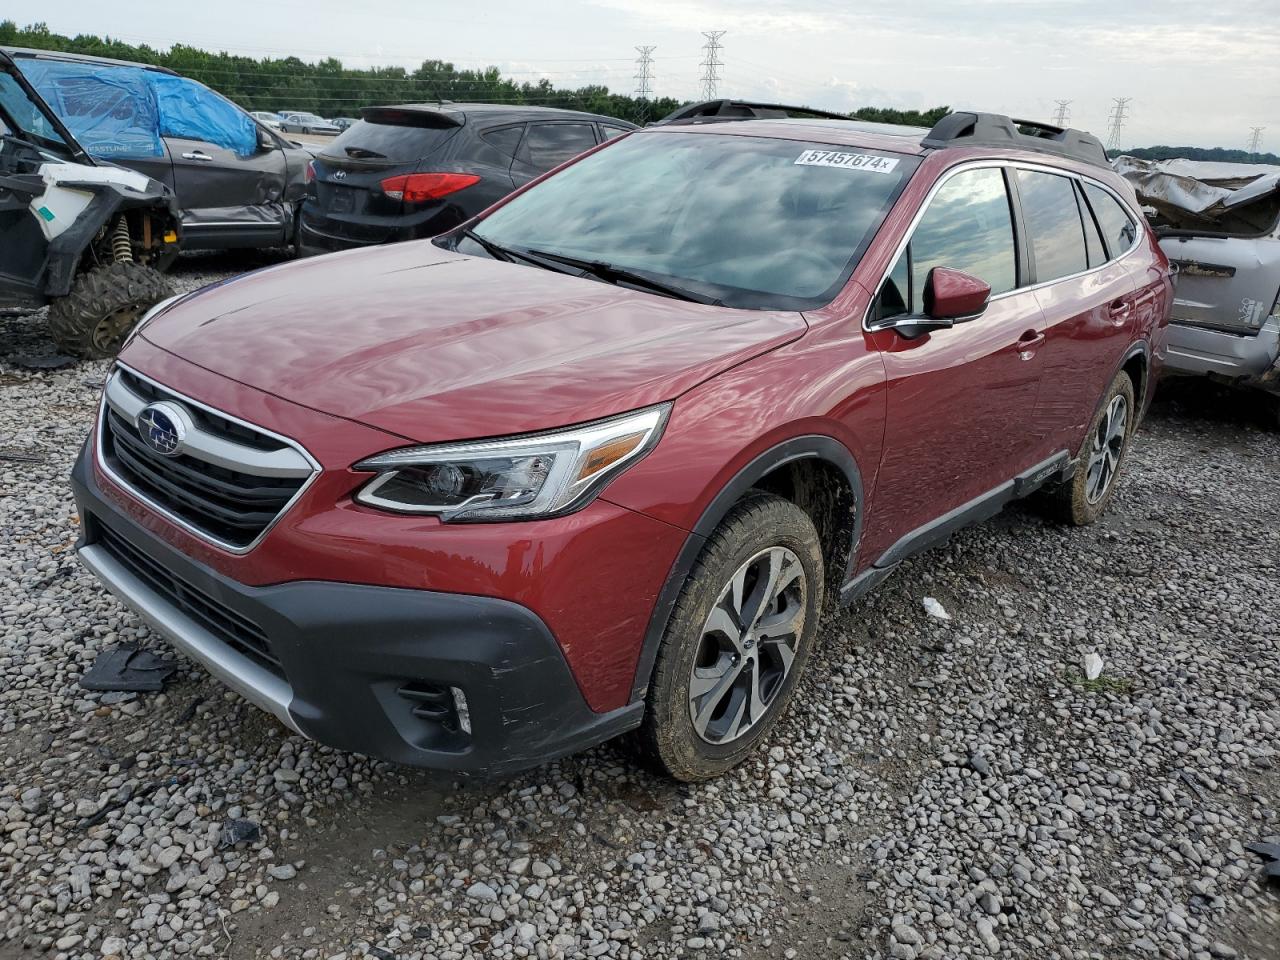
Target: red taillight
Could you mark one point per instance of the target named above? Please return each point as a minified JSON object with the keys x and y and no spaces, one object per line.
{"x":420,"y":187}
{"x":311,"y":170}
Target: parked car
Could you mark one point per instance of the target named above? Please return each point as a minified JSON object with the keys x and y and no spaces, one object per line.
{"x":1220,"y":225}
{"x":343,"y":122}
{"x":417,"y":170}
{"x":237,"y":183}
{"x":307,"y":123}
{"x":270,"y":119}
{"x":87,"y":238}
{"x":596,"y":462}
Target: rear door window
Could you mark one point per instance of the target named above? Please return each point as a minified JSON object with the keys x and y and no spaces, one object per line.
{"x":967,"y":227}
{"x":390,"y":142}
{"x":1118,"y":229}
{"x":1053,"y":224}
{"x":551,"y":144}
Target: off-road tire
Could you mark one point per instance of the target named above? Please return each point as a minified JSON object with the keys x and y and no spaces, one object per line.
{"x":103,"y":306}
{"x":1070,"y":502}
{"x":667,"y":739}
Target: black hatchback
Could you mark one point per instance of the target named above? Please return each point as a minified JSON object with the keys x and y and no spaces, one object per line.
{"x":416,"y":170}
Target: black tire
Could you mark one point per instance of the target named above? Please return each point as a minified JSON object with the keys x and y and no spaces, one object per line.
{"x":103,"y":306}
{"x":759,"y":529}
{"x":1078,"y":501}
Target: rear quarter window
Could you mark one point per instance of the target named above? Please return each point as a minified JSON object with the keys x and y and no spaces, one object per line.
{"x":1118,"y":229}
{"x":506,"y":139}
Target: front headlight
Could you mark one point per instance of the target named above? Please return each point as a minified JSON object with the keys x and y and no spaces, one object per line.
{"x":521,"y":478}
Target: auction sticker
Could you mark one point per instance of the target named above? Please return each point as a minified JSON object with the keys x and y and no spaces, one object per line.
{"x":849,"y":161}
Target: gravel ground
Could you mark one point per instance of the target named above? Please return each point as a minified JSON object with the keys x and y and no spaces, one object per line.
{"x":941,"y":788}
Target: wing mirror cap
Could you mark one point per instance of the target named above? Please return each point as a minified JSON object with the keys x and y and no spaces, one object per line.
{"x":952,"y":295}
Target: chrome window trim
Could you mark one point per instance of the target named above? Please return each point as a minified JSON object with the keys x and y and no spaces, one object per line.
{"x":985,"y":164}
{"x":173,"y":518}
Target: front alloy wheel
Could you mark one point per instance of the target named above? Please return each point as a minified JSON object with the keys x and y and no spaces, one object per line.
{"x":736,"y":642}
{"x":748,"y":645}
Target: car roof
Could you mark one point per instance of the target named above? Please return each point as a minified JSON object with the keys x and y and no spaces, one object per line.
{"x":503,"y":111}
{"x":29,"y":52}
{"x":843,"y":133}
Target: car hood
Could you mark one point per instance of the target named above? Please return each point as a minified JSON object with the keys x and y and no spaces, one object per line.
{"x":435,"y":346}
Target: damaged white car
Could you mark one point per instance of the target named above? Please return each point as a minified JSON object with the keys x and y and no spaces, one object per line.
{"x":1220,"y":225}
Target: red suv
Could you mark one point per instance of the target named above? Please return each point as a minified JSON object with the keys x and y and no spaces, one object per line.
{"x":594,"y":462}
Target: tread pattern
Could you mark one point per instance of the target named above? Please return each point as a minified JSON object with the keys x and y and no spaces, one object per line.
{"x":759,"y":518}
{"x":94,"y":295}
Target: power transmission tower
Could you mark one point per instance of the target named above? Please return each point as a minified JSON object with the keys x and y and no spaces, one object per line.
{"x":1255,"y":140}
{"x":712,"y":64}
{"x":1062,"y":114}
{"x":1118,"y":117}
{"x":644,"y":71}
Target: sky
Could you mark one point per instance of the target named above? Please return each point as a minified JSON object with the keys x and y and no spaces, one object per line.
{"x":1198,"y":73}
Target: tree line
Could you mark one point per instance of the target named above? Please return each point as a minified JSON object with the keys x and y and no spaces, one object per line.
{"x":1217,"y":154}
{"x":330,"y":89}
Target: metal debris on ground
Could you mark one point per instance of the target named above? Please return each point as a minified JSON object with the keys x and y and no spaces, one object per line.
{"x":129,"y":669}
{"x":238,"y":831}
{"x":43,"y":361}
{"x":1271,"y":852}
{"x":20,"y":457}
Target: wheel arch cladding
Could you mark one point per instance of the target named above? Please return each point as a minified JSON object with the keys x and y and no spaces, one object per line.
{"x":818,"y":474}
{"x":1136,"y":365}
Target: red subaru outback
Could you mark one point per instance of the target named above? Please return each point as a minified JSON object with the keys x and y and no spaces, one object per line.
{"x":595,"y":462}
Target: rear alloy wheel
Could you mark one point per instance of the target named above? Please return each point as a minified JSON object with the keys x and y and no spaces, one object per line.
{"x":103,"y":306}
{"x":1082,"y":500}
{"x":737,"y":640}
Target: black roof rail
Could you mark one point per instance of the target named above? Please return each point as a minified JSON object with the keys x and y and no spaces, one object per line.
{"x":714,"y":111}
{"x":996,"y":130}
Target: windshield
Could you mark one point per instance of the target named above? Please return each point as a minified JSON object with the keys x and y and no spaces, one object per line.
{"x":748,"y":221}
{"x":18,"y":109}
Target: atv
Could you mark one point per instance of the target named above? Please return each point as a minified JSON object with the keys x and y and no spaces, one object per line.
{"x":89,"y":239}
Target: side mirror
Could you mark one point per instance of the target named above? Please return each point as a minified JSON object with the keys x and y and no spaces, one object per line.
{"x":952,"y":295}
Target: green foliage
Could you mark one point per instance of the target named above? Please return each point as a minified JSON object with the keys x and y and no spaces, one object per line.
{"x":1218,"y":154}
{"x":332,"y":90}
{"x":328,"y":88}
{"x":911,"y":118}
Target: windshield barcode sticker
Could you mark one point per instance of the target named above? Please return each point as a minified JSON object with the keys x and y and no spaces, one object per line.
{"x":849,"y":161}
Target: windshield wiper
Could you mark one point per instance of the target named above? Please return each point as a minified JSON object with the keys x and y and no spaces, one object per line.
{"x":613,"y":274}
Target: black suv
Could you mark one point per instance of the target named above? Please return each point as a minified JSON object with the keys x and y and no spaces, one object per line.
{"x":416,"y":170}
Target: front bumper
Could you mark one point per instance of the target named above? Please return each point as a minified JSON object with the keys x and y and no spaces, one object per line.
{"x":346,"y":664}
{"x":1249,"y":360}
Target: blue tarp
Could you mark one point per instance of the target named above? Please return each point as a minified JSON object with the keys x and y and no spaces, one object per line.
{"x":124,"y":111}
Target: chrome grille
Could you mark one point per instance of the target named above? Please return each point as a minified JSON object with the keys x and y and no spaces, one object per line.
{"x":230,"y":481}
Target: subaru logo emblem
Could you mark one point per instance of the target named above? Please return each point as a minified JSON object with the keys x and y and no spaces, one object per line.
{"x":162,"y":427}
{"x":339,"y":174}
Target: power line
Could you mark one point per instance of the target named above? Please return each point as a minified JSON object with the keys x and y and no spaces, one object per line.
{"x":1117,"y":118}
{"x":711,"y":63}
{"x":1255,"y":140}
{"x":1062,"y":114}
{"x":644,"y":74}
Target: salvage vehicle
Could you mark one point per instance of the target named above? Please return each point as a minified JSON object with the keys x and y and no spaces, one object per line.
{"x":416,"y":170}
{"x":269,"y":119}
{"x":306,"y":123}
{"x":1219,"y":223}
{"x":594,"y":462}
{"x":87,"y":238}
{"x":238,"y":183}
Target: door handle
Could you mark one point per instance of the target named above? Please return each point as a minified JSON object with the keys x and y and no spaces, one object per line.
{"x":197,"y":155}
{"x":1119,"y":310}
{"x":1028,"y":343}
